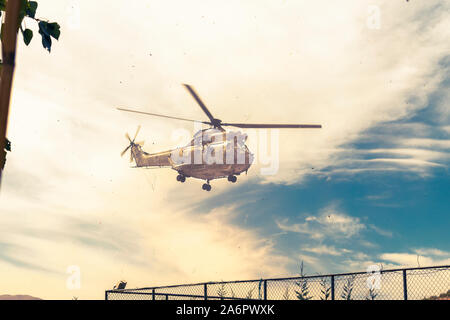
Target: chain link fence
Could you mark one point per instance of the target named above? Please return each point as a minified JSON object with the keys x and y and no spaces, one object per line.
{"x":398,"y":284}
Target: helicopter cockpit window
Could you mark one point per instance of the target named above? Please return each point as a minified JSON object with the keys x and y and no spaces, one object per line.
{"x":197,"y":139}
{"x":207,"y":137}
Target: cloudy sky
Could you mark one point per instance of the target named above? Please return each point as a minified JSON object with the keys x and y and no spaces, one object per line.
{"x":370,"y":187}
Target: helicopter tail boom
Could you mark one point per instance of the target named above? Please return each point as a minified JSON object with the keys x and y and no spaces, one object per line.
{"x":144,"y":159}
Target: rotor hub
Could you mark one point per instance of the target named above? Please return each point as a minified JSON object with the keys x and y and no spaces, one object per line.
{"x":216,"y":123}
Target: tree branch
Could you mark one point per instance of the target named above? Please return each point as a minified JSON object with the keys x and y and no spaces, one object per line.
{"x":9,"y":57}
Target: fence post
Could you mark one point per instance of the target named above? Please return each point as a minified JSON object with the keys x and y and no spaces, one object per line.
{"x":106,"y":295}
{"x":167,"y":297}
{"x":405,"y":286}
{"x":265,"y":289}
{"x":332,"y":287}
{"x":153,"y":294}
{"x":205,"y":287}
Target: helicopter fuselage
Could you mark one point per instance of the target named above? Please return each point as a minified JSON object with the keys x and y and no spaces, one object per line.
{"x":212,"y":154}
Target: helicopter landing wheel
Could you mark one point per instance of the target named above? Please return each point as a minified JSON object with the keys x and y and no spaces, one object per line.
{"x":232,"y":178}
{"x":181,"y":178}
{"x":206,"y":187}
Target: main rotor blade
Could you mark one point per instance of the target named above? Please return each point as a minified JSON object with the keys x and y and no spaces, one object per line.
{"x":273,"y":126}
{"x":126,"y":149}
{"x":137,"y":131}
{"x":162,"y":116}
{"x":199,"y":101}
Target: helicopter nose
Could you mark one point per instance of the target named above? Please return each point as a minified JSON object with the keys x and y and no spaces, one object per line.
{"x":251,"y":157}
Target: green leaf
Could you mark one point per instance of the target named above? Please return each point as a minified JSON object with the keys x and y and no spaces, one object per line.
{"x":27,"y":36}
{"x":2,"y":5}
{"x":50,"y":29}
{"x":43,"y":27}
{"x":46,"y":40}
{"x":22,"y":12}
{"x":2,"y":31}
{"x":53,"y":29}
{"x":31,"y":9}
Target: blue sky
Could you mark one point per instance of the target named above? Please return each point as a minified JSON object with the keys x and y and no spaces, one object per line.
{"x":401,"y":207}
{"x":400,"y":212}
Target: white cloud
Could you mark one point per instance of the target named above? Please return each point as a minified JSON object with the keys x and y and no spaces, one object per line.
{"x":309,"y":261}
{"x":427,"y":143}
{"x":328,"y":223}
{"x":407,"y":162}
{"x":155,"y":249}
{"x":323,"y":250}
{"x":432,"y":252}
{"x":381,"y":231}
{"x":415,"y":259}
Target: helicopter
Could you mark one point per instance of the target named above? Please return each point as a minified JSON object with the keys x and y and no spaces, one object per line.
{"x":213,"y":153}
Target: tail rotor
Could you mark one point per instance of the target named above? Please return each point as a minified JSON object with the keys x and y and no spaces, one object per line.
{"x":132,"y":143}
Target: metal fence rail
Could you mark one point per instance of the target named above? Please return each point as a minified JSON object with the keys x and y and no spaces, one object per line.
{"x":395,"y":284}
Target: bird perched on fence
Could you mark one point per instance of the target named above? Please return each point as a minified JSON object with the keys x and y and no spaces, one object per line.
{"x":120,"y":285}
